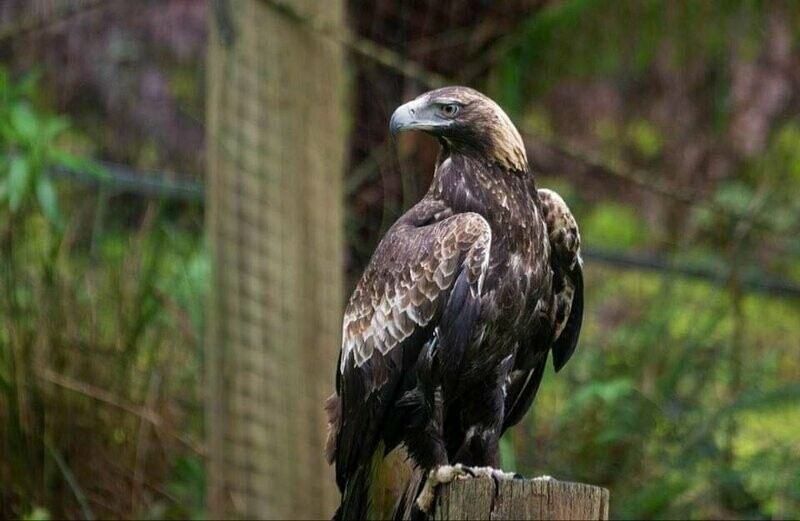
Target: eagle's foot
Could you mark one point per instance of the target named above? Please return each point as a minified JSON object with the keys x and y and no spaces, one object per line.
{"x":495,"y":474}
{"x":447,"y":473}
{"x":440,"y":475}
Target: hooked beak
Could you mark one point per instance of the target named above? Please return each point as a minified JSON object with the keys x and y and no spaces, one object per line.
{"x":406,"y":117}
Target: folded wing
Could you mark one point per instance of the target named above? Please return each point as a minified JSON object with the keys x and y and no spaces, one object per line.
{"x":567,"y":267}
{"x":422,"y":283}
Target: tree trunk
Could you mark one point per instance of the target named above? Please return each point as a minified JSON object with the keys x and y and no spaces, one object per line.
{"x":519,"y":499}
{"x":276,"y":142}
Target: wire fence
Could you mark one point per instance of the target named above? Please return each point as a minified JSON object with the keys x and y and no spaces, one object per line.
{"x":121,"y":179}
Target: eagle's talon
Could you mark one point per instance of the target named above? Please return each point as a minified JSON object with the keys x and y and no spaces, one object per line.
{"x":438,"y":476}
{"x":502,"y":475}
{"x":468,"y":472}
{"x":495,"y":474}
{"x":447,"y":473}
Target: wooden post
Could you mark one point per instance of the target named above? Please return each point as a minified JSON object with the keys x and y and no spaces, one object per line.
{"x":539,"y":499}
{"x":276,"y":142}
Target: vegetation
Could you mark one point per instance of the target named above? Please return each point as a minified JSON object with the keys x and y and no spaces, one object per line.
{"x":101,"y":320}
{"x":683,"y":399}
{"x":683,"y":396}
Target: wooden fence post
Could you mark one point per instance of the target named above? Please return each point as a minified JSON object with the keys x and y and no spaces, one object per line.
{"x":276,"y":141}
{"x":539,"y":499}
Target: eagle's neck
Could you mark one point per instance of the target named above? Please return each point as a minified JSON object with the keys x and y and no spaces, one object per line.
{"x":505,"y":145}
{"x":506,"y":198}
{"x":502,"y":147}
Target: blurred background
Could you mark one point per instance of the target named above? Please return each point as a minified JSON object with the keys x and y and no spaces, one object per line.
{"x":143,"y":142}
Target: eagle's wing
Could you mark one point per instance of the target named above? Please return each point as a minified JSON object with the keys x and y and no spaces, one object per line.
{"x":422,"y":278}
{"x":567,"y":267}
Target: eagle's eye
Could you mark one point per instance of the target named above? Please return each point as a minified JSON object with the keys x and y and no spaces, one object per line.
{"x":449,"y":110}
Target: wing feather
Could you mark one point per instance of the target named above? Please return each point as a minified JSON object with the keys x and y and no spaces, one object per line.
{"x":411,"y":271}
{"x":565,"y":242}
{"x":567,"y":267}
{"x":392,"y":313}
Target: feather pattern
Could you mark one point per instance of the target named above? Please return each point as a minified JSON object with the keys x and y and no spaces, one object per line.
{"x":404,"y":284}
{"x":567,"y":265}
{"x":567,"y":310}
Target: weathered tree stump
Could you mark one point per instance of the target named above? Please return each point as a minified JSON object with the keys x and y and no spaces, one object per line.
{"x":540,"y":499}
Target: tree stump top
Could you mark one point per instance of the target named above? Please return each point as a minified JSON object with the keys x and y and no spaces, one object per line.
{"x":540,"y":499}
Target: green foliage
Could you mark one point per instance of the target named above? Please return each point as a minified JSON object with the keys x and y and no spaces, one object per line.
{"x":97,"y":315}
{"x":613,"y":224}
{"x":29,"y":148}
{"x":653,"y":405}
{"x":646,"y":138}
{"x":187,"y":485}
{"x":682,"y":398}
{"x":585,"y":38}
{"x":642,"y":408}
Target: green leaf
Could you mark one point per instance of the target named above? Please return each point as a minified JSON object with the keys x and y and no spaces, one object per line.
{"x":76,"y":163}
{"x":69,"y":161}
{"x":25,"y":122}
{"x":734,"y":196}
{"x":646,"y":138}
{"x":54,"y":127}
{"x":7,"y":132}
{"x":18,"y":175}
{"x":48,"y":199}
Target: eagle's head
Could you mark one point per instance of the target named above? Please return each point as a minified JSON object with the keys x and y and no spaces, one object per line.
{"x":465,"y":121}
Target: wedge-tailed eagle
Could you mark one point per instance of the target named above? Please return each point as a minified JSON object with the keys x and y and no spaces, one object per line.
{"x":446,"y":335}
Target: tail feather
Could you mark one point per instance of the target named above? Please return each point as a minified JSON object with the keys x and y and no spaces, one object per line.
{"x":354,"y":498}
{"x":385,"y":488}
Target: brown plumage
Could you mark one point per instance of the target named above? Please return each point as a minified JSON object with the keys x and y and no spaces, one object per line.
{"x":446,"y":335}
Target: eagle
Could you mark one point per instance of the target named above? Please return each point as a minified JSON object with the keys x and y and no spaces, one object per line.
{"x":447,"y":333}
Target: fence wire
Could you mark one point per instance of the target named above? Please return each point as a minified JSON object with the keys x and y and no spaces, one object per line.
{"x":122,"y":180}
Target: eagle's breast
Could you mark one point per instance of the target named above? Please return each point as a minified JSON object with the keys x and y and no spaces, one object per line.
{"x":517,"y":293}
